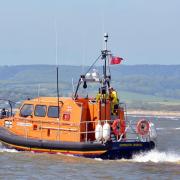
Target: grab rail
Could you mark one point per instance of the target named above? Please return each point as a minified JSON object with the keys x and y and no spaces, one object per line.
{"x":86,"y":128}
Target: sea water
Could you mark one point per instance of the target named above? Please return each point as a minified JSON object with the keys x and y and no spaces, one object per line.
{"x":161,"y":163}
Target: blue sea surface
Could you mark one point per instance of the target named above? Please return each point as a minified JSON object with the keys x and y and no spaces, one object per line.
{"x":161,"y":163}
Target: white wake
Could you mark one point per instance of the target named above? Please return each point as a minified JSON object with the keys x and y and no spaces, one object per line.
{"x":3,"y":149}
{"x":7,"y":150}
{"x":156,"y":156}
{"x":168,"y":129}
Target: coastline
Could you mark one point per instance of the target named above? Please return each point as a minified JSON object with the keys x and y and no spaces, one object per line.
{"x":153,"y":113}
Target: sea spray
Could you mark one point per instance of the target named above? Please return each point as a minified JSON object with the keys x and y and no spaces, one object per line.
{"x":167,"y":129}
{"x":157,"y":157}
{"x":4,"y":149}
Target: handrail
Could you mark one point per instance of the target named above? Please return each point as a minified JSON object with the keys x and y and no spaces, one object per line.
{"x":130,"y":130}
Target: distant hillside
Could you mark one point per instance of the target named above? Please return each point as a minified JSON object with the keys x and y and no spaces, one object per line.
{"x":20,"y":82}
{"x":157,"y":80}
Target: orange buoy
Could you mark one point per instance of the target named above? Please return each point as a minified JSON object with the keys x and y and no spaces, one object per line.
{"x":118,"y":127}
{"x":142,"y":127}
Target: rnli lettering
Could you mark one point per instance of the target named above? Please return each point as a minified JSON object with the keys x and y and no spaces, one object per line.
{"x":130,"y":144}
{"x":24,"y":124}
{"x":138,"y":145}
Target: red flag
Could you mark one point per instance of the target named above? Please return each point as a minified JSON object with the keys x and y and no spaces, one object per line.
{"x":116,"y":60}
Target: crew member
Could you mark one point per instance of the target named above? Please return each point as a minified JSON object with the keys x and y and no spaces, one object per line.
{"x":3,"y":112}
{"x":101,"y":95}
{"x":98,"y":96}
{"x":114,"y":101}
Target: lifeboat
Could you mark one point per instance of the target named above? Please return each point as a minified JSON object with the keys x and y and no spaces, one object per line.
{"x":92,"y":127}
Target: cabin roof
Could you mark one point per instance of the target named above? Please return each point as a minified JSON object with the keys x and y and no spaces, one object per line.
{"x":48,"y":99}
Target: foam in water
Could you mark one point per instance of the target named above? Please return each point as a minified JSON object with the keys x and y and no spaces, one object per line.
{"x":160,"y":128}
{"x":98,"y":159}
{"x":157,"y":157}
{"x":3,"y":149}
{"x":175,"y":118}
{"x":168,"y":129}
{"x":7,"y":150}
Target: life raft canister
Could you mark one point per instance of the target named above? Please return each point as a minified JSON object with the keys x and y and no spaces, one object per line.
{"x":118,"y":127}
{"x":98,"y":131}
{"x":142,"y":127}
{"x":106,"y":131}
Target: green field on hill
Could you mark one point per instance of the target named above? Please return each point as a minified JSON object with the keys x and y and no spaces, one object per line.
{"x":150,"y":87}
{"x":149,"y":102}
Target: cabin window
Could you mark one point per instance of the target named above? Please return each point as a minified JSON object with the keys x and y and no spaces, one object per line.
{"x":26,"y":110}
{"x":40,"y":110}
{"x":53,"y":111}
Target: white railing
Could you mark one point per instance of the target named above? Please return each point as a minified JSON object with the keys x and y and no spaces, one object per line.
{"x":85,"y":128}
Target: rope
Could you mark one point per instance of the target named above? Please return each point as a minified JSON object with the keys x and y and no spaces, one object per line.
{"x":93,"y":64}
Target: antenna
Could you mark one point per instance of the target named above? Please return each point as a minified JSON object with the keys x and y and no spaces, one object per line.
{"x":83,"y":53}
{"x":56,"y":38}
{"x":103,"y":23}
{"x":73,"y":89}
{"x":39,"y":86}
{"x":57,"y":69}
{"x":105,"y":40}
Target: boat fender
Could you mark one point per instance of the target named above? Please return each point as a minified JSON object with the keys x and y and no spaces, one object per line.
{"x":152,"y":131}
{"x":118,"y":127}
{"x":142,"y":127}
{"x":106,"y":131}
{"x":98,"y":131}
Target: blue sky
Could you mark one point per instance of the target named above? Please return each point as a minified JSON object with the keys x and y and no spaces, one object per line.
{"x":141,"y":31}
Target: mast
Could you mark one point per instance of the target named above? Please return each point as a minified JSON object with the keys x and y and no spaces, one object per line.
{"x":106,"y":78}
{"x":105,"y":53}
{"x":57,"y":87}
